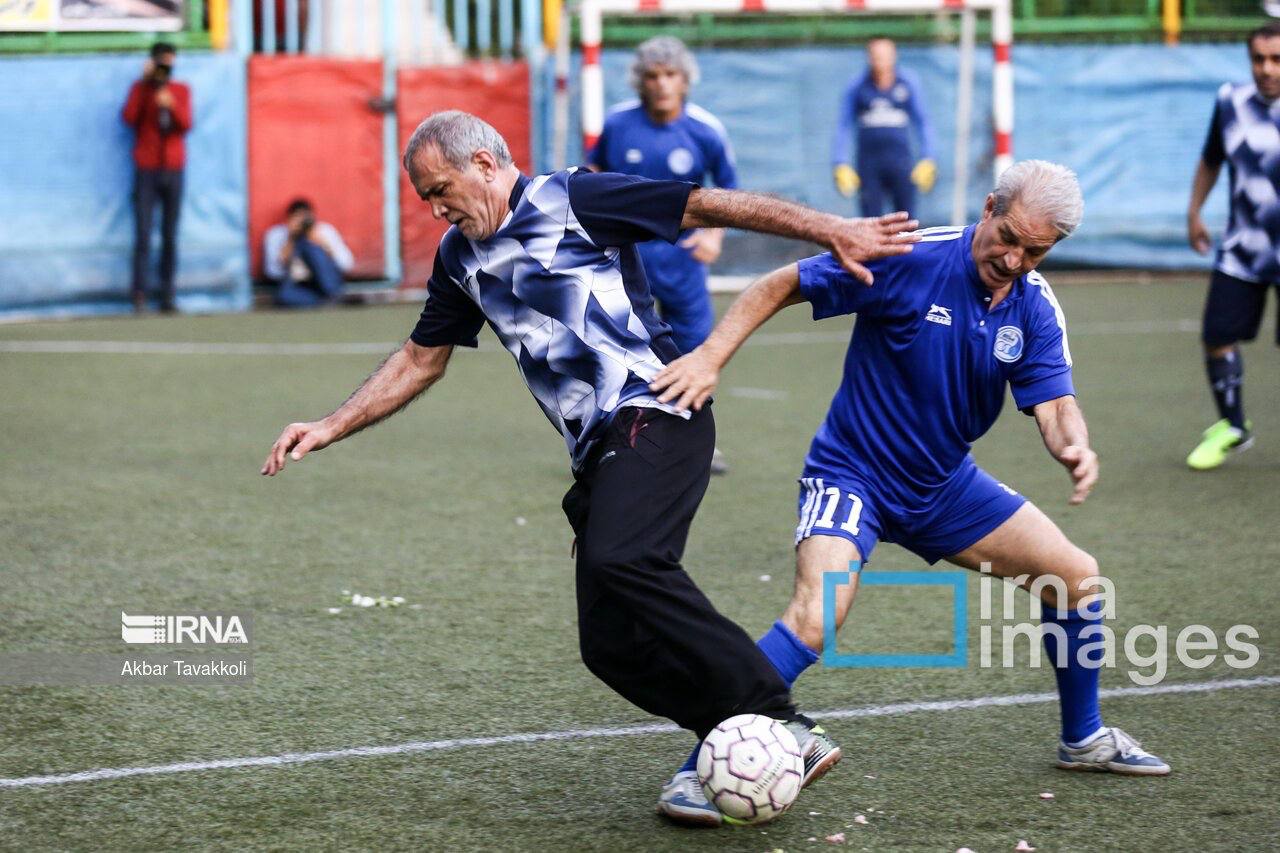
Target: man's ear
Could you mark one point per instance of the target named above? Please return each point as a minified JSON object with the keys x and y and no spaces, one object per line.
{"x":486,"y":163}
{"x":989,"y":209}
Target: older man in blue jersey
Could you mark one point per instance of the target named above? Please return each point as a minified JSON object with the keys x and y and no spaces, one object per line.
{"x":940,"y":335}
{"x":1243,"y":136}
{"x":661,"y":135}
{"x":550,"y":264}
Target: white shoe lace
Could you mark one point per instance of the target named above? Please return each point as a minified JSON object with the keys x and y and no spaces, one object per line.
{"x":688,"y":786}
{"x":1127,"y":745}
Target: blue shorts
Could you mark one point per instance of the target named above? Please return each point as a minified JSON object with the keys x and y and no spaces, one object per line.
{"x":679,"y":283}
{"x":961,"y":511}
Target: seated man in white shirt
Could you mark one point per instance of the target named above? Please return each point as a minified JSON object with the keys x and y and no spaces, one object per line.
{"x":306,"y":259}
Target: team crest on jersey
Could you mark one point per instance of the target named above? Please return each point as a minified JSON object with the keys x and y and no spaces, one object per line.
{"x":938,"y":314}
{"x":900,"y":92}
{"x":633,"y":155}
{"x":1008,"y":346}
{"x":680,"y":161}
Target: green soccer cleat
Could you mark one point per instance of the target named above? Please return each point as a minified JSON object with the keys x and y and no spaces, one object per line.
{"x":1219,"y":442}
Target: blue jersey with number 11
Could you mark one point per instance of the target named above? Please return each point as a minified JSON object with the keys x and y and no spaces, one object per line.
{"x":927,"y":367}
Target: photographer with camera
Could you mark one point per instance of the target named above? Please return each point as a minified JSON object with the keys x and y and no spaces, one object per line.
{"x":159,"y":111}
{"x":305,"y":258}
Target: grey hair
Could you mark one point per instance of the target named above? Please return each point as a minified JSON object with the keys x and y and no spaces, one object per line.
{"x":662,"y":50}
{"x":458,"y":135}
{"x":1044,"y":188}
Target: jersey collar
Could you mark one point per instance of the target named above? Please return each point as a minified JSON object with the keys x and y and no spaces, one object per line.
{"x":517,"y":192}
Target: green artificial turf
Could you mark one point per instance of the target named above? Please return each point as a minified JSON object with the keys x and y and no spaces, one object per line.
{"x":132,"y":480}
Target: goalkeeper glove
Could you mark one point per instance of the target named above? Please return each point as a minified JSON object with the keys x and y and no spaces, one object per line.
{"x":925,"y":175}
{"x":847,"y":180}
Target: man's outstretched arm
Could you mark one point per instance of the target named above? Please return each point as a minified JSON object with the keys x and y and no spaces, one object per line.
{"x":1066,"y":438}
{"x":404,"y":375}
{"x":850,"y":240}
{"x":693,"y":378}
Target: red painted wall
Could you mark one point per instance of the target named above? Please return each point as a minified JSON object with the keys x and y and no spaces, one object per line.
{"x":497,"y":93}
{"x":312,"y":133}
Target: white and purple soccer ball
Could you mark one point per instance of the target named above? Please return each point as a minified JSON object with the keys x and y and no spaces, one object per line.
{"x":751,"y":768}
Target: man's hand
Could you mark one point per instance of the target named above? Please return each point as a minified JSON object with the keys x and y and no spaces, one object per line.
{"x":1082,"y":464}
{"x":164,"y":97}
{"x":1197,"y":234}
{"x":847,"y":180}
{"x":867,"y":239}
{"x":705,"y":244}
{"x":688,"y":380}
{"x":301,"y":439}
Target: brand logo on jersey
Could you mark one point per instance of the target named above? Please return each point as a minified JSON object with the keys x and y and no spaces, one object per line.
{"x":1008,"y":346}
{"x":680,"y":161}
{"x":900,"y":92}
{"x":634,"y":155}
{"x":938,"y":314}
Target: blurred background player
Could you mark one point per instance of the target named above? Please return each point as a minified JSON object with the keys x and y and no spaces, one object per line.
{"x":881,"y":107}
{"x":1243,"y":135}
{"x":159,"y":111}
{"x":306,"y":259}
{"x":664,"y":137}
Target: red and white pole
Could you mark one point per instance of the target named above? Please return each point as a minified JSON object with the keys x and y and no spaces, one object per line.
{"x":1002,"y":84}
{"x":592,"y":75}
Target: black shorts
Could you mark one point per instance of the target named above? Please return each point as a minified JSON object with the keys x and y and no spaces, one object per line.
{"x":1233,"y":311}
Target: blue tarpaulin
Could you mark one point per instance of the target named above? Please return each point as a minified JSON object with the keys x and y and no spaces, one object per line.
{"x":66,"y":177}
{"x":1130,"y":119}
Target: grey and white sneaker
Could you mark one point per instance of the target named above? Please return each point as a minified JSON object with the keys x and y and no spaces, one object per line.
{"x":683,"y":801}
{"x":820,"y":752}
{"x":1113,"y":751}
{"x":719,"y":465}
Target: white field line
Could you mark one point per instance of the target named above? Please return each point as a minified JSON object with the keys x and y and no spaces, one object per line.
{"x":623,"y":731}
{"x":69,"y":347}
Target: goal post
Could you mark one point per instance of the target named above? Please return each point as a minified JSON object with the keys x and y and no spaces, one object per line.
{"x":591,"y":16}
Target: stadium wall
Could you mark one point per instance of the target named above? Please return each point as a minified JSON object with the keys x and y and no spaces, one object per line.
{"x":1130,"y":119}
{"x":66,"y":221}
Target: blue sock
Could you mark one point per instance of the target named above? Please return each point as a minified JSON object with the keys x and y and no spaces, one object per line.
{"x":787,"y":652}
{"x":1077,"y":683}
{"x":789,"y":656}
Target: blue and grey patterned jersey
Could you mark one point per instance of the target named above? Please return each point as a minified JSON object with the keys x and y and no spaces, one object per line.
{"x":562,"y":286}
{"x":1245,"y":134}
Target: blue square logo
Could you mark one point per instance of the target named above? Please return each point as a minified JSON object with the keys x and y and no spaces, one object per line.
{"x":958,"y":581}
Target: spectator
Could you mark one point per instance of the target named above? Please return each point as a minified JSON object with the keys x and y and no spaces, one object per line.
{"x":306,"y":259}
{"x":881,"y":108}
{"x":159,"y":111}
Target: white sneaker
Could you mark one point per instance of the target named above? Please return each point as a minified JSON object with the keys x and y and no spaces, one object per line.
{"x":1113,"y":751}
{"x":683,"y":801}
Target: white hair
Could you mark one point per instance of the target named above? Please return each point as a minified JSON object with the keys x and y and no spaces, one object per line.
{"x":662,"y":50}
{"x":459,"y":136}
{"x":1047,"y":189}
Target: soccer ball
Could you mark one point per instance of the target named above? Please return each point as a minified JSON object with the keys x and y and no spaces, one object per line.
{"x":750,"y":766}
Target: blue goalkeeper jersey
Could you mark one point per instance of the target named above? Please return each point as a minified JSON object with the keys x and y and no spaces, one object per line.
{"x":928,"y":364}
{"x":881,"y":121}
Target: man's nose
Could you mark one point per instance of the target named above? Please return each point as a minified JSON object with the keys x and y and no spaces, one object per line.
{"x":438,"y":210}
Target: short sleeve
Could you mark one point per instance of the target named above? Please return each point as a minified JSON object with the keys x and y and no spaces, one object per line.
{"x":1213,"y":152}
{"x":832,"y":291}
{"x":618,"y":210}
{"x":449,"y":317}
{"x":1044,"y":371}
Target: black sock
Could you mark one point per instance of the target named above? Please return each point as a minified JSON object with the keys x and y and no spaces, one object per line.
{"x":1226,"y":378}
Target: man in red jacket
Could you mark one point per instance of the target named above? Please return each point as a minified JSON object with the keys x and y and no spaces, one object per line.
{"x":159,"y":110}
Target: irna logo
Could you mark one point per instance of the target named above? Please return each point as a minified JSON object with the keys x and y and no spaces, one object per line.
{"x":172,"y":629}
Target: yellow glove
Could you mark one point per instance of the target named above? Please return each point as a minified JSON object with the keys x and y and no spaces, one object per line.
{"x":925,"y":175}
{"x":847,"y":180}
